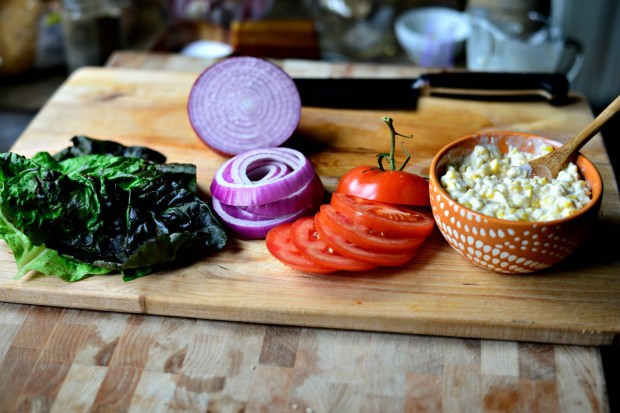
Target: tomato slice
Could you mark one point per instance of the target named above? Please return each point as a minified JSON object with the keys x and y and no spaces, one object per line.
{"x":342,"y":246}
{"x":279,"y":244}
{"x":363,"y":236}
{"x":386,"y":218}
{"x":310,"y":244}
{"x":392,"y":187}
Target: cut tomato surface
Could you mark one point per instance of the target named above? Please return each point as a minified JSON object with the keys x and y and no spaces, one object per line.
{"x":347,"y":249}
{"x":395,"y":220}
{"x":280,"y":245}
{"x":310,"y":244}
{"x":363,"y":236}
{"x":393,"y":187}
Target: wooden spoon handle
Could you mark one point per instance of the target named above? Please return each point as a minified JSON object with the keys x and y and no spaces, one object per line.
{"x":551,"y":164}
{"x":575,"y":143}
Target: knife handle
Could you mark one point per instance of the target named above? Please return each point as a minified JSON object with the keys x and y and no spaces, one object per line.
{"x":495,"y":85}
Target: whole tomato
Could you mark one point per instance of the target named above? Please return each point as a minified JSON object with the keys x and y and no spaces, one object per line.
{"x":392,"y":185}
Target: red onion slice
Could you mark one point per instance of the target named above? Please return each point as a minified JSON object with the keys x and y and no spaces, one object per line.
{"x":243,"y":103}
{"x":267,"y":172}
{"x":228,"y":187}
{"x":309,"y":197}
{"x":242,"y":166}
{"x":249,"y":226}
{"x":260,"y":172}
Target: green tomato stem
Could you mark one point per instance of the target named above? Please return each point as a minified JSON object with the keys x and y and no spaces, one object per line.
{"x":389,"y":122}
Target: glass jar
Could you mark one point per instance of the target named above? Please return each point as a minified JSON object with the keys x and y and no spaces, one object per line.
{"x":92,"y":30}
{"x":360,"y":30}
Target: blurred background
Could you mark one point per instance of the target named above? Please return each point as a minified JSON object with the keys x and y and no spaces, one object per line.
{"x":43,"y":41}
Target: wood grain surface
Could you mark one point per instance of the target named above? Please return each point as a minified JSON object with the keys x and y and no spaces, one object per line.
{"x":66,"y":360}
{"x":56,"y":359}
{"x":438,"y":293}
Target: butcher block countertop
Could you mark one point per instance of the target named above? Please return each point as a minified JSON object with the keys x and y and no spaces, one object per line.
{"x":238,"y":331}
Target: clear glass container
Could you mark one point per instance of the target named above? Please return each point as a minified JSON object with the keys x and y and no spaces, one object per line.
{"x":92,"y":30}
{"x":360,"y":30}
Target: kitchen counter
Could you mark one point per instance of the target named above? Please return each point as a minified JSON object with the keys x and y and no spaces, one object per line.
{"x":73,"y":359}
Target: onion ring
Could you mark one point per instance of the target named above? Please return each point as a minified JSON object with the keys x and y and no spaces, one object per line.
{"x":250,"y":226}
{"x":309,"y":196}
{"x":231,"y":185}
{"x":258,"y":189}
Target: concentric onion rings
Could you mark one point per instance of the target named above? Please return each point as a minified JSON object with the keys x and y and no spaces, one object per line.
{"x":243,"y":103}
{"x":261,"y":188}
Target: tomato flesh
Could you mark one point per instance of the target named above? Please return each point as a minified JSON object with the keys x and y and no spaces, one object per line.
{"x":363,"y":236}
{"x":392,"y":187}
{"x":386,"y":218}
{"x":310,"y":244}
{"x":352,"y":233}
{"x":347,"y":249}
{"x":279,"y":244}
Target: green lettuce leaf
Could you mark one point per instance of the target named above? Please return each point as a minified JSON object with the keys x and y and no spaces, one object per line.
{"x":102,"y":212}
{"x":30,"y":257}
{"x":83,"y":145}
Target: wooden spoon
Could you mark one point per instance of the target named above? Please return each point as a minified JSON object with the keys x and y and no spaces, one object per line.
{"x":548,"y":166}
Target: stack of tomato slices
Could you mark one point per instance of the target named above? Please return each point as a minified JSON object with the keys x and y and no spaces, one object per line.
{"x":351,"y":233}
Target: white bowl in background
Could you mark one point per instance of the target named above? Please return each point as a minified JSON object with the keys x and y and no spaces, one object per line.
{"x":207,"y":49}
{"x":432,"y":36}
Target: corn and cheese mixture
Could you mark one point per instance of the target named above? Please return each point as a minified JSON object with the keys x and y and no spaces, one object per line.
{"x":495,"y":185}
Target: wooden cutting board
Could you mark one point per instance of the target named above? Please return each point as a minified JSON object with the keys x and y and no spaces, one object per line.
{"x":438,"y":293}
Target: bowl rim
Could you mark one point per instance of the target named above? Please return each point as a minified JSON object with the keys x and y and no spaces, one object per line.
{"x":595,"y":197}
{"x":432,"y":9}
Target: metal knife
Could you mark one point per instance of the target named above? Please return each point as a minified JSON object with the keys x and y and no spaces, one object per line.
{"x":380,"y":93}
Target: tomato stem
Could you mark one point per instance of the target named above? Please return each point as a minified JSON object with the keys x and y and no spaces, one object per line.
{"x":390,"y":156}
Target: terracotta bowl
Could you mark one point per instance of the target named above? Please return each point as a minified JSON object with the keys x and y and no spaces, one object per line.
{"x":511,"y":247}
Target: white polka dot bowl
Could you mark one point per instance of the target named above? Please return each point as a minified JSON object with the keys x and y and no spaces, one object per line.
{"x":504,"y":246}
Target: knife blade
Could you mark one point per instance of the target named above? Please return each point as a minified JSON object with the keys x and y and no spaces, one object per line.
{"x":378,"y":93}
